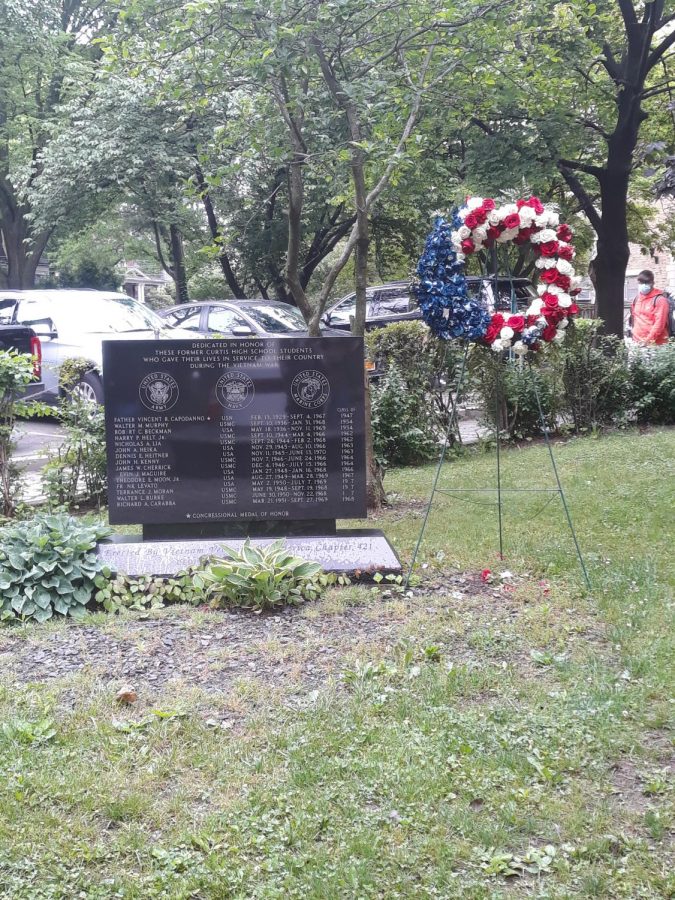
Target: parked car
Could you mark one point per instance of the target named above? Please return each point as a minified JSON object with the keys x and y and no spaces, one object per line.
{"x":385,"y":303}
{"x":239,"y":318}
{"x":394,"y":302}
{"x":71,"y":325}
{"x":24,"y":340}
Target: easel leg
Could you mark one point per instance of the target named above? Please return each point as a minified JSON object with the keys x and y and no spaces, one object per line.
{"x":451,"y":423}
{"x":498,"y":432}
{"x":542,"y":419}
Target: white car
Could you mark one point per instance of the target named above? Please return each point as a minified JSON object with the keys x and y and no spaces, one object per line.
{"x":72,"y":324}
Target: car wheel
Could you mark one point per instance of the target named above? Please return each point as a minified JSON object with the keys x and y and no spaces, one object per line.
{"x":89,"y":388}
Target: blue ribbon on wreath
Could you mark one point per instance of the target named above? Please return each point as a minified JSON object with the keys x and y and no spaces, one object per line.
{"x":441,"y":288}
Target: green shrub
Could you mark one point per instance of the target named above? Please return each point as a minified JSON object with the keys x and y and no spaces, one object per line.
{"x":427,"y":365}
{"x":48,"y":564}
{"x":260,"y":578}
{"x":403,"y":432}
{"x":77,"y":473}
{"x":652,"y":390}
{"x":595,"y":376}
{"x":516,"y":382}
{"x":144,"y":591}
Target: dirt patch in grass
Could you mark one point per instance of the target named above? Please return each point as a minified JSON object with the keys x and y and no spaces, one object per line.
{"x":235,"y":660}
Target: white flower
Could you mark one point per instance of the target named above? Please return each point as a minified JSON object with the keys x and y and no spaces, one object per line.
{"x":463,"y":232}
{"x":564,"y":300}
{"x":563,"y":323}
{"x":527,"y":215}
{"x":474,"y":202}
{"x":494,"y":217}
{"x":480,"y":233}
{"x":554,"y":289}
{"x":545,"y":262}
{"x":507,"y":235}
{"x":461,"y":257}
{"x":507,"y":209}
{"x":497,"y":345}
{"x":520,"y":348}
{"x":542,"y":321}
{"x":535,"y":308}
{"x":541,"y":221}
{"x":546,"y":235}
{"x":576,"y":281}
{"x":506,"y":333}
{"x":559,"y":336}
{"x":564,"y":267}
{"x":553,"y":219}
{"x":542,"y":289}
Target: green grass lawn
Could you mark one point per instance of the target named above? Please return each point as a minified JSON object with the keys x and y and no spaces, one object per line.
{"x":506,"y":740}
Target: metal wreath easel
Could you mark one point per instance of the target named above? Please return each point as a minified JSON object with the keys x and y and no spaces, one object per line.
{"x":498,"y":490}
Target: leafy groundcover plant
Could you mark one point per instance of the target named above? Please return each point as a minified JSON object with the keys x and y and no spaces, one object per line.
{"x":48,"y":564}
{"x":261,"y":578}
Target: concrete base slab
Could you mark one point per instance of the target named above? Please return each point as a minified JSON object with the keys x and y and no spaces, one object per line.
{"x":352,"y":552}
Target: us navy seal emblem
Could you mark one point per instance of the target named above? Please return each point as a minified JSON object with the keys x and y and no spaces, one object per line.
{"x":235,"y":390}
{"x":310,"y":389}
{"x":158,"y":391}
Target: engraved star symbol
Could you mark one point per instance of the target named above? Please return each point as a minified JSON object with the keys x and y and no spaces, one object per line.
{"x":187,"y":515}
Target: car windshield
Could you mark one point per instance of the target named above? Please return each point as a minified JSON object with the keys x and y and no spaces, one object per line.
{"x":277,"y":319}
{"x":110,"y":314}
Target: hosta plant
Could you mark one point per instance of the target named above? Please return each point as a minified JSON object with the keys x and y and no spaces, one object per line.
{"x":261,"y":578}
{"x":48,"y":565}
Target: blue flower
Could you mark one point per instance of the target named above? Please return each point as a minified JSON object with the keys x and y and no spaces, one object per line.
{"x":441,"y":289}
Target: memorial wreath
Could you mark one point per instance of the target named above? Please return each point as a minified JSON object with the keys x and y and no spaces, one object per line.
{"x":441,"y":288}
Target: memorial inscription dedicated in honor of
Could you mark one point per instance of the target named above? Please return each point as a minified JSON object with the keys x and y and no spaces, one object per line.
{"x":235,"y":429}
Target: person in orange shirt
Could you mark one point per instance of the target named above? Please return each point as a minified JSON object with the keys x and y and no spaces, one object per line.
{"x":649,"y":312}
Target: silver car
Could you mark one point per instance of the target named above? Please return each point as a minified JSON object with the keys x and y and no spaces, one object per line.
{"x":72,"y":324}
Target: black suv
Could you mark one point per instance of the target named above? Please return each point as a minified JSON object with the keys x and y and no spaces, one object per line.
{"x":394,"y":302}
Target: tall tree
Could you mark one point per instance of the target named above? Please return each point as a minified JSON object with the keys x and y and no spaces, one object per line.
{"x":48,"y":54}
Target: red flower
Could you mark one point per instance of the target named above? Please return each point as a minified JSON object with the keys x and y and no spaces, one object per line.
{"x":493,"y":232}
{"x":488,"y":204}
{"x":523,"y":236}
{"x":550,"y":248}
{"x":486,"y":575}
{"x":512,"y":221}
{"x":574,"y":292}
{"x":468,"y":246}
{"x":532,"y":320}
{"x":573,"y":310}
{"x":470,"y":220}
{"x":563,"y":281}
{"x":492,"y":332}
{"x":549,"y":332}
{"x":536,"y":205}
{"x":549,"y":276}
{"x":564,"y":233}
{"x":566,"y":252}
{"x":550,"y":301}
{"x":480,"y":215}
{"x":534,"y":202}
{"x":497,"y":319}
{"x":516,"y":322}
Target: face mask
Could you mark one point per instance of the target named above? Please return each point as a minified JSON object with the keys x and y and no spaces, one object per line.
{"x":645,"y":288}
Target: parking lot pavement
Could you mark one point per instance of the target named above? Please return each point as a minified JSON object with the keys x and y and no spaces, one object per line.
{"x":36,"y":441}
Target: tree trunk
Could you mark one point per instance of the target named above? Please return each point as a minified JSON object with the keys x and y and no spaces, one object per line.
{"x":224,"y":260}
{"x":22,"y":260}
{"x":178,"y":264}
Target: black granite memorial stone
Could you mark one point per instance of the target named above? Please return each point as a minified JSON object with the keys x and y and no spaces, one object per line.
{"x":206,"y":433}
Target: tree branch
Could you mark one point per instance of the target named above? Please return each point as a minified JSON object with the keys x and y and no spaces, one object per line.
{"x":595,"y":171}
{"x":582,"y":196}
{"x":659,"y":50}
